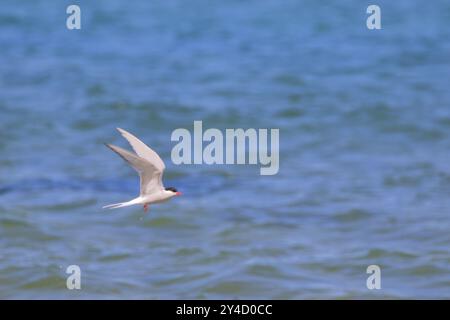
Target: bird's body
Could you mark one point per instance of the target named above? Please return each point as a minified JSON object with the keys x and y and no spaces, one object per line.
{"x":150,"y":168}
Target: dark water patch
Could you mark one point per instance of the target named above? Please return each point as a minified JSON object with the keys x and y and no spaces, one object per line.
{"x":5,"y":189}
{"x":381,"y":253}
{"x":355,"y":295}
{"x":46,"y":283}
{"x":425,"y":270}
{"x":114,"y":257}
{"x":85,"y":125}
{"x":20,"y":229}
{"x":290,"y":113}
{"x":402,"y":181}
{"x":216,"y":258}
{"x":271,"y":252}
{"x":182,"y":252}
{"x":289,"y":80}
{"x":168,"y":223}
{"x":416,"y":131}
{"x":10,"y":20}
{"x":96,"y":90}
{"x":68,"y":205}
{"x":380,"y":113}
{"x":352,"y":215}
{"x":41,"y":185}
{"x":234,"y":288}
{"x":154,"y":115}
{"x":9,"y":223}
{"x":264,"y":270}
{"x":294,"y":98}
{"x":185,"y":279}
{"x":326,"y":268}
{"x":442,"y":284}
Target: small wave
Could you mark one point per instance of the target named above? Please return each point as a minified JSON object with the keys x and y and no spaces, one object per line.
{"x":352,"y":215}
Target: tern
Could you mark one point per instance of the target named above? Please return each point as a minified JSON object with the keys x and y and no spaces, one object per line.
{"x":150,"y":168}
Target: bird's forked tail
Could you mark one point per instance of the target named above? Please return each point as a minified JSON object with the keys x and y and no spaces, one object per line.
{"x":122,"y":204}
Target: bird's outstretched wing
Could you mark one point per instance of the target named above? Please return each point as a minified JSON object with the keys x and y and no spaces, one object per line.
{"x":142,"y":150}
{"x":150,"y":175}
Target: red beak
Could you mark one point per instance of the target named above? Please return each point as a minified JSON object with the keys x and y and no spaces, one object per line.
{"x":178,"y":193}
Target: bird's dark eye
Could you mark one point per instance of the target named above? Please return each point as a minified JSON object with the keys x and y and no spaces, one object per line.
{"x":171,"y":189}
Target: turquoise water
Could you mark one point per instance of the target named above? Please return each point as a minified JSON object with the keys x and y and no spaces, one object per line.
{"x":364,"y":120}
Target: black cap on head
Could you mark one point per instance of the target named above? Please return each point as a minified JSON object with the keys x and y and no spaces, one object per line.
{"x":171,"y":189}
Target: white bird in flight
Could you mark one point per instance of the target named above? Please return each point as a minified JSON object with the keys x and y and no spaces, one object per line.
{"x":150,"y":168}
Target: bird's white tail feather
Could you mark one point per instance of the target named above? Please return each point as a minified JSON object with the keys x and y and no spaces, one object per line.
{"x":122,"y":204}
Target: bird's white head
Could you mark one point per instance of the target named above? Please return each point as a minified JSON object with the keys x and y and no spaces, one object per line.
{"x":173,"y":191}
